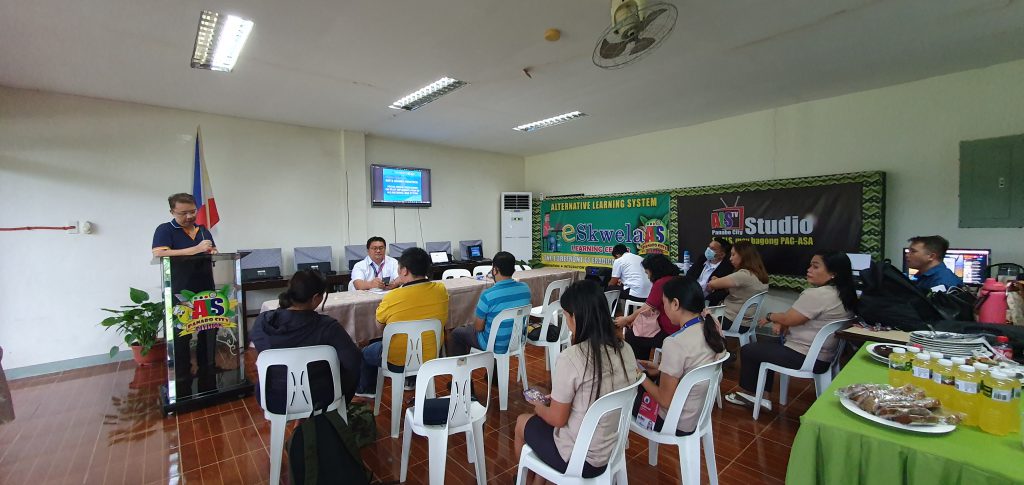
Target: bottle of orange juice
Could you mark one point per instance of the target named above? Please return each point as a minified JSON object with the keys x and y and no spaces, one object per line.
{"x":899,"y":367}
{"x":921,"y":367}
{"x":966,"y":398}
{"x":943,"y":379}
{"x":996,"y":416}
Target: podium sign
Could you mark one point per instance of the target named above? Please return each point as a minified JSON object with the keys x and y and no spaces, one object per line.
{"x":205,"y":330}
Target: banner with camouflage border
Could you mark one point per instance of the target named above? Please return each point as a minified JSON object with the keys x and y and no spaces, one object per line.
{"x":578,"y":232}
{"x":788,"y":219}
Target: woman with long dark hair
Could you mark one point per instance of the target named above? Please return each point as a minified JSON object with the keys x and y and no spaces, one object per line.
{"x":695,"y":342}
{"x":596,"y":363}
{"x":749,"y":279}
{"x":659,"y":270}
{"x":832,"y":297}
{"x":296,"y":323}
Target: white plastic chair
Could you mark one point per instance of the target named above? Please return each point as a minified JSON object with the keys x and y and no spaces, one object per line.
{"x":518,"y":315}
{"x":806,"y":371}
{"x":736,"y":329}
{"x":523,"y":267}
{"x":414,"y":331}
{"x":554,"y":316}
{"x":482,"y":270}
{"x":464,"y":415}
{"x":689,"y":446}
{"x":299,"y":395}
{"x":557,"y":285}
{"x":450,"y":274}
{"x":613,"y":301}
{"x":620,"y":401}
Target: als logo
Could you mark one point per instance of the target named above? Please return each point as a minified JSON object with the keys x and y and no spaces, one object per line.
{"x":728,"y":220}
{"x":205,"y":310}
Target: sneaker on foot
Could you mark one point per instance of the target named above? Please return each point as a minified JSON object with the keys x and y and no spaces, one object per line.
{"x":366,"y":395}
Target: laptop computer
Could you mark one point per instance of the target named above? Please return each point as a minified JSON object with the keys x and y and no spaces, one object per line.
{"x":439,"y":257}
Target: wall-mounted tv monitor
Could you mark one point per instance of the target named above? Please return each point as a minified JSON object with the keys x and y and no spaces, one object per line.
{"x":399,"y":186}
{"x":967,"y":264}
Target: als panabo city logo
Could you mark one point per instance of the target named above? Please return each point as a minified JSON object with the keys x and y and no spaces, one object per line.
{"x":205,"y":310}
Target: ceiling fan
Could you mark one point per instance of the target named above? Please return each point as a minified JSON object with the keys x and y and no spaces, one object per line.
{"x":638,"y":27}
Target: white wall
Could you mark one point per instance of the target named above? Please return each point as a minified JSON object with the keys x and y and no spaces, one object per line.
{"x":466,"y":185}
{"x":68,"y":158}
{"x":911,"y":131}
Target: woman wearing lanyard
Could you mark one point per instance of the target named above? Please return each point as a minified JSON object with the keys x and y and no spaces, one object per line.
{"x":694,"y":344}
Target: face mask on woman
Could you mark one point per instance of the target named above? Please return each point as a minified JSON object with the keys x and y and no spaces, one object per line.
{"x":709,"y":253}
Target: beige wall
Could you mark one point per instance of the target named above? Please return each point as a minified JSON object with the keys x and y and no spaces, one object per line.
{"x":66,"y":158}
{"x":911,"y":131}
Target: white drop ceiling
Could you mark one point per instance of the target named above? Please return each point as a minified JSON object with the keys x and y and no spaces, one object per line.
{"x":338,"y":65}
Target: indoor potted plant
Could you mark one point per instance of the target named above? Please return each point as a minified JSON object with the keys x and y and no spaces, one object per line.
{"x":140,"y":325}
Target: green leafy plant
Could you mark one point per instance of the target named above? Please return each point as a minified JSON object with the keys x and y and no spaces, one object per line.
{"x":139,"y":323}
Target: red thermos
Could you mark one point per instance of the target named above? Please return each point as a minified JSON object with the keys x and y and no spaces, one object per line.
{"x":992,"y":302}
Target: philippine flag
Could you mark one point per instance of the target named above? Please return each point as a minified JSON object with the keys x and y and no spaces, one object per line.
{"x":206,"y":206}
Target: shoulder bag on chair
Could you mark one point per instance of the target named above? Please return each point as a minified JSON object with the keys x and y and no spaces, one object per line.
{"x":646,"y":324}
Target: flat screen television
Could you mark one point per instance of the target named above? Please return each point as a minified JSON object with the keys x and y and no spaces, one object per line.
{"x":399,"y":186}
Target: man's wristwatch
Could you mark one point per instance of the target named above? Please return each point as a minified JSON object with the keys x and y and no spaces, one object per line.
{"x":768,"y":317}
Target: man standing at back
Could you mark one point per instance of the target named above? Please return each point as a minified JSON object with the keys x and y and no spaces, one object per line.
{"x":628,"y":271}
{"x":415,"y":298}
{"x":506,"y":293}
{"x":377,"y":270}
{"x":926,"y":254}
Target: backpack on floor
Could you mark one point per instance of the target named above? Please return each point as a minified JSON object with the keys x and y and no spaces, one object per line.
{"x":321,"y":451}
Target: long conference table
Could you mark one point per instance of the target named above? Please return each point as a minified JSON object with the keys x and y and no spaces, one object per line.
{"x":357,"y":310}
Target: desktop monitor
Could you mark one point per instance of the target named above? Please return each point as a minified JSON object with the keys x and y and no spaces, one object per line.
{"x":316,"y":258}
{"x":475,"y":252}
{"x":967,"y":264}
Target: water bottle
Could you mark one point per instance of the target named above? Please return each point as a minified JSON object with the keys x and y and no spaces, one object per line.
{"x":686,"y":261}
{"x":1003,"y":347}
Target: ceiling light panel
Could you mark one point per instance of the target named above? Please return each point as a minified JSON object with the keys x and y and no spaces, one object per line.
{"x":428,"y":93}
{"x":219,"y":41}
{"x":552,"y":121}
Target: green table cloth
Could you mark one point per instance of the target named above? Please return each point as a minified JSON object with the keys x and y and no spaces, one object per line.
{"x":835,"y":446}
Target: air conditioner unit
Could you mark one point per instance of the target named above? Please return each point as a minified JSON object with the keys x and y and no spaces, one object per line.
{"x":517,"y":224}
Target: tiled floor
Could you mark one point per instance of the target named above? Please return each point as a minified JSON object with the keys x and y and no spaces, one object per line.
{"x":102,"y":425}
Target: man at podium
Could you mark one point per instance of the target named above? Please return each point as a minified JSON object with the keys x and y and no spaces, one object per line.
{"x":181,"y":236}
{"x":189,"y":246}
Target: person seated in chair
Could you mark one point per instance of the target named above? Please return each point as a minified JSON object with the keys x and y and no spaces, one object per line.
{"x":377,"y":270}
{"x":296,"y":323}
{"x":416,"y":298}
{"x":598,"y":362}
{"x":696,"y":342}
{"x":749,"y":279}
{"x":659,"y":270}
{"x":506,"y":293}
{"x":717,"y":264}
{"x":926,"y":254}
{"x":832,"y":297}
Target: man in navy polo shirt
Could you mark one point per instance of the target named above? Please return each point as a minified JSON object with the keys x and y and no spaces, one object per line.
{"x":181,"y":236}
{"x":926,"y":254}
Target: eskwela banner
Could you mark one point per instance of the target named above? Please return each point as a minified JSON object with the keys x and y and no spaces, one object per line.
{"x":581,"y":232}
{"x":787,"y":225}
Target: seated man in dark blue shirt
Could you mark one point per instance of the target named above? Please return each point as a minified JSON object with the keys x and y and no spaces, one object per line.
{"x":925,"y":255}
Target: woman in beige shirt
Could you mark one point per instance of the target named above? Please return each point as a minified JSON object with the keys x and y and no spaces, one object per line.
{"x":598,"y":362}
{"x":832,"y":297}
{"x":696,"y":342}
{"x":749,"y":279}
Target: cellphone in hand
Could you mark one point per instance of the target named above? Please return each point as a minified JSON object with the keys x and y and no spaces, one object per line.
{"x":386,"y":280}
{"x":534,"y":395}
{"x":640,"y":367}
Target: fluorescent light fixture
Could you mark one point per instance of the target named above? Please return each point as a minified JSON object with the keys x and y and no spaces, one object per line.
{"x":219,"y":41}
{"x":552,"y":121}
{"x":428,"y":93}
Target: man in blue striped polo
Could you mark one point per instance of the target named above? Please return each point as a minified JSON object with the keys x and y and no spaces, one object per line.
{"x":506,"y":293}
